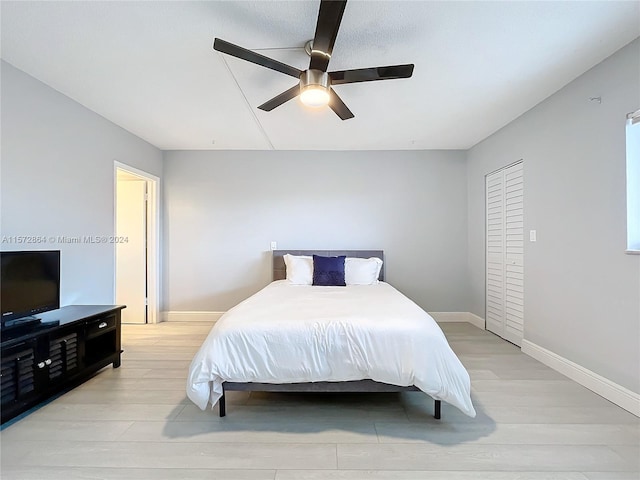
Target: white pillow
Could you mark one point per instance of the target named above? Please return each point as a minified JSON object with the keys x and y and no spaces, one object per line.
{"x":299,"y":269}
{"x":361,"y":271}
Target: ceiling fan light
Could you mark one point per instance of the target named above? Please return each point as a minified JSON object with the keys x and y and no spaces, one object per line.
{"x":314,"y":88}
{"x":314,"y":96}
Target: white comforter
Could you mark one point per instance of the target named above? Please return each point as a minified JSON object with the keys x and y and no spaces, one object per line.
{"x":296,"y":333}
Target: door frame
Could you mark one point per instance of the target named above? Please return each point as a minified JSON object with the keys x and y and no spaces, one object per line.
{"x":153,"y":237}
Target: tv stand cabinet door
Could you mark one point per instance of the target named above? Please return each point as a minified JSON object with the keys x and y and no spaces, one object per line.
{"x":20,"y":377}
{"x":63,"y":359}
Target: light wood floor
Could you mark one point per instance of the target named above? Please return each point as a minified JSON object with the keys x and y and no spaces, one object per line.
{"x":135,"y":422}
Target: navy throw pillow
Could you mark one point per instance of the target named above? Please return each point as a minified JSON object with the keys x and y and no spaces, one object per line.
{"x":328,"y":271}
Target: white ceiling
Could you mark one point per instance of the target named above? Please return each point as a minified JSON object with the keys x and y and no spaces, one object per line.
{"x":150,"y":66}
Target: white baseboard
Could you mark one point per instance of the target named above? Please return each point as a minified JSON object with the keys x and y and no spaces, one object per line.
{"x":467,"y":317}
{"x":474,"y":319}
{"x":604,"y":387}
{"x":179,"y":316}
{"x":445,"y":317}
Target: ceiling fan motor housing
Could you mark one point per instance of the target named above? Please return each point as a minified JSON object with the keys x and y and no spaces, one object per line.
{"x":316,"y":78}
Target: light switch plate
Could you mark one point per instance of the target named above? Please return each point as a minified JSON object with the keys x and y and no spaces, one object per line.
{"x":532,"y":236}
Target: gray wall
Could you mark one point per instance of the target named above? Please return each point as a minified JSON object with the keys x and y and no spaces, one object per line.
{"x":57,"y":179}
{"x":222,"y":209}
{"x":582,"y":293}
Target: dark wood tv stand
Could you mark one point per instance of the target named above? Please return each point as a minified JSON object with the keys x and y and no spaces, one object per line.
{"x":66,"y":348}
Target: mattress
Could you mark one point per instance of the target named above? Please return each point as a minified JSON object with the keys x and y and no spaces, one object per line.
{"x":298,"y":333}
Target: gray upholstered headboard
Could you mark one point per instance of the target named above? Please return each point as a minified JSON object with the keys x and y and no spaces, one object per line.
{"x":279,"y":269}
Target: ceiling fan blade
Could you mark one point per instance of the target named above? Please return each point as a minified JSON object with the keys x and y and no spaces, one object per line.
{"x":253,"y":57}
{"x":337,"y":105}
{"x":371,"y":74}
{"x":329,"y":18}
{"x":280,"y":99}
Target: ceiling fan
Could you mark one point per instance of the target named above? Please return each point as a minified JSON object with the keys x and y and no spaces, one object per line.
{"x":314,"y":86}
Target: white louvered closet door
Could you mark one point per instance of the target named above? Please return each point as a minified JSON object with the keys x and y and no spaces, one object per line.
{"x":505,"y":253}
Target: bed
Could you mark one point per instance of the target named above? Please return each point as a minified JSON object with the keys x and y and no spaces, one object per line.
{"x":302,"y":338}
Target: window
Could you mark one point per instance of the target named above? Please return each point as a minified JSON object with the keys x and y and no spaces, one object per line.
{"x":633,"y":182}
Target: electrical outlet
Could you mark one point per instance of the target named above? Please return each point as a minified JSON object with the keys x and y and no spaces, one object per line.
{"x":532,"y":236}
{"x":274,"y":246}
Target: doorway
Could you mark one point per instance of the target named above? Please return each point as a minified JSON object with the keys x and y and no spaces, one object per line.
{"x":136,"y":245}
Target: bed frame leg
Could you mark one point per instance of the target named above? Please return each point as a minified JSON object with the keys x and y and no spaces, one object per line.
{"x":438,"y":405}
{"x":222,"y":405}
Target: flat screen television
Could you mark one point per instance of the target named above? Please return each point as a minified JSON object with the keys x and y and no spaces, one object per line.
{"x":30,"y":284}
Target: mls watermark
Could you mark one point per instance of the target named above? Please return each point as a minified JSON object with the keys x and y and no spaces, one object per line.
{"x":63,"y":239}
